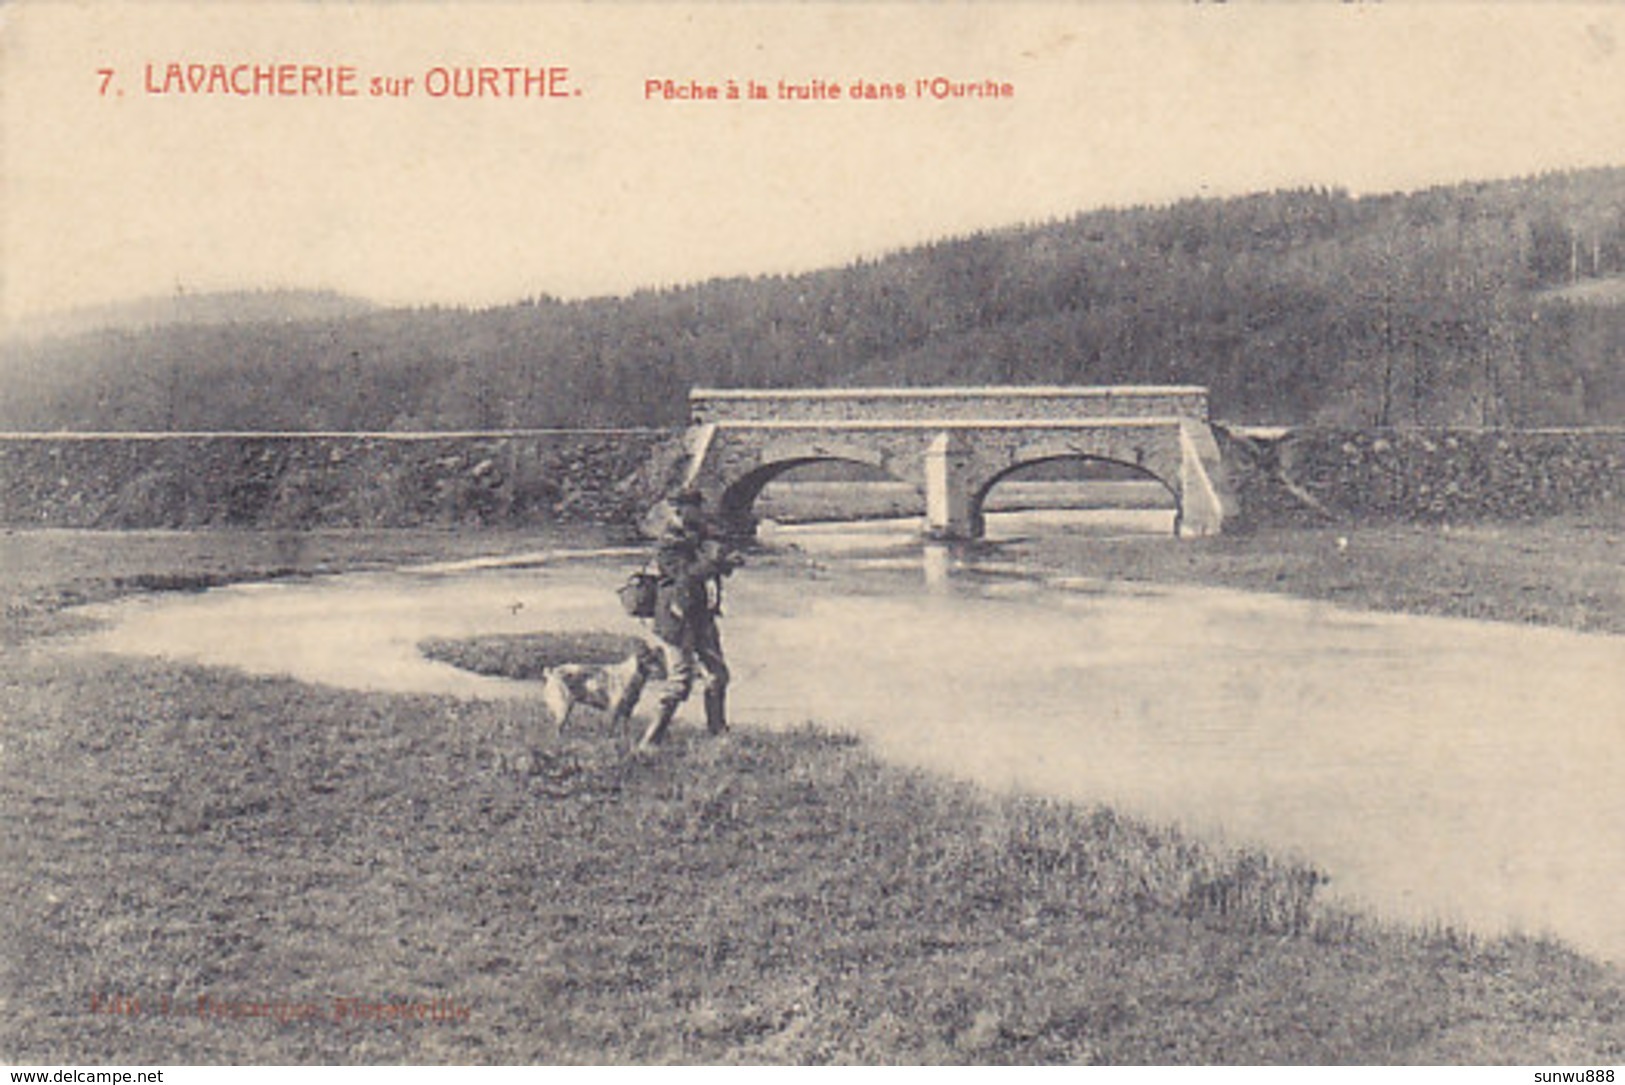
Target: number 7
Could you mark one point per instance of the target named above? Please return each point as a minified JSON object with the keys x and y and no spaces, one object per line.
{"x":107,"y":78}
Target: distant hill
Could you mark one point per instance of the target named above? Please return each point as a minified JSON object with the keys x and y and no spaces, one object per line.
{"x":1456,"y":305}
{"x":225,"y":307}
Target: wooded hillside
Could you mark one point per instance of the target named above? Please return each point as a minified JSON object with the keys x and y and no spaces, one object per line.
{"x":1481,"y":304}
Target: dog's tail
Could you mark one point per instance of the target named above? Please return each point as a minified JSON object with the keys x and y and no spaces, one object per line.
{"x":556,"y":699}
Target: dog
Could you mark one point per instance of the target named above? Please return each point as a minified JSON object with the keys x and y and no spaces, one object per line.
{"x":614,"y":687}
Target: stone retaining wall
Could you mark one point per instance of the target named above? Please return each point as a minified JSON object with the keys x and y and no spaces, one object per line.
{"x":331,"y":480}
{"x":1419,"y":475}
{"x":613,"y":476}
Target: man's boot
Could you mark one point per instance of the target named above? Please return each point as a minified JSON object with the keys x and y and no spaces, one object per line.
{"x":716,"y":711}
{"x":656,"y":734}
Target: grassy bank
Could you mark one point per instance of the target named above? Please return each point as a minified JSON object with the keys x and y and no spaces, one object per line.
{"x":1567,"y":572}
{"x":173,"y":832}
{"x":178,"y":833}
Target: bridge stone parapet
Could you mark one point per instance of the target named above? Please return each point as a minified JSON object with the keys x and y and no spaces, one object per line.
{"x":1023,"y":402}
{"x":956,"y":444}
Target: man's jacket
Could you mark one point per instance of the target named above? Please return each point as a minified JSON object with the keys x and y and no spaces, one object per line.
{"x":690,"y":571}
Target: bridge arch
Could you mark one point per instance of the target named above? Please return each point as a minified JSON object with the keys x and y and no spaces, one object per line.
{"x":980,"y":494}
{"x":737,"y":497}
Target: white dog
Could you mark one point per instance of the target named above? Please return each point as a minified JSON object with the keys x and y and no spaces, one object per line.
{"x":614,"y":687}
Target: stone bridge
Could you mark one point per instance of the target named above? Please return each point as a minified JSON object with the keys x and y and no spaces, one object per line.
{"x":954,"y":443}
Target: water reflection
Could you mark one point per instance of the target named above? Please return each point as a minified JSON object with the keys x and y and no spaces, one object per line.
{"x":901,"y":536}
{"x":936,"y":561}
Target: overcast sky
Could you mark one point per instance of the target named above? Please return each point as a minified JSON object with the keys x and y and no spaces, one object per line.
{"x":112,"y":192}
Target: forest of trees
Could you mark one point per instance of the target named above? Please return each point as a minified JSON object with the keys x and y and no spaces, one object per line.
{"x":1458,"y":305}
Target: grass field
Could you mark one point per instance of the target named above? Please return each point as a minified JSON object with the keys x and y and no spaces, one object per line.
{"x":172,"y":833}
{"x":1567,"y":572}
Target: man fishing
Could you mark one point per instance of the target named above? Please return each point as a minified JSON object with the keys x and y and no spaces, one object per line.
{"x":690,"y":564}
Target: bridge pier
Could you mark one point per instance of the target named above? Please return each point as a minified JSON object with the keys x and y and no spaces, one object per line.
{"x":949,"y":504}
{"x":1202,"y":507}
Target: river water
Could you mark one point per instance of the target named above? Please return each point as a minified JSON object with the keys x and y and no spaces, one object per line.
{"x":1438,"y":770}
